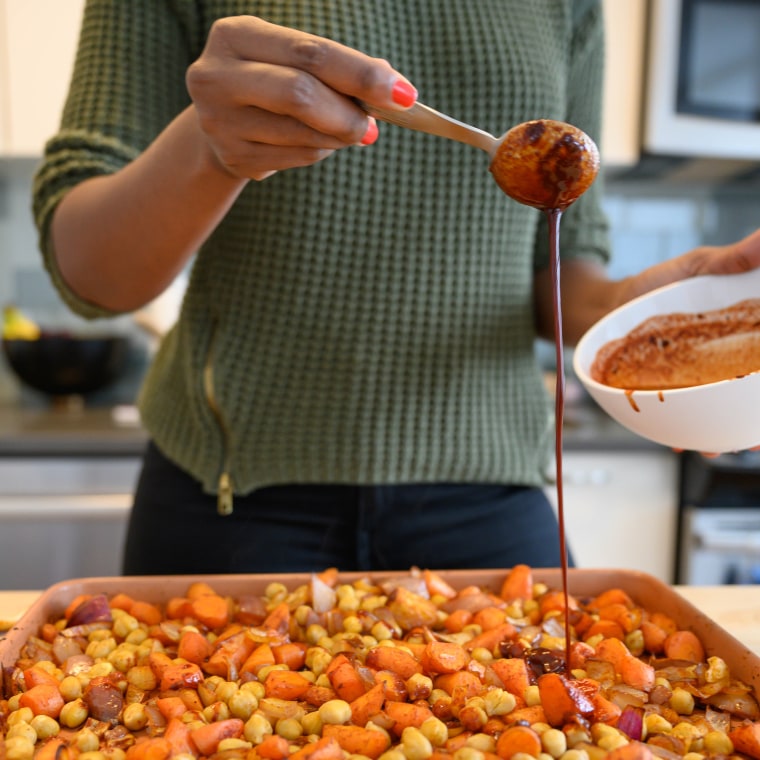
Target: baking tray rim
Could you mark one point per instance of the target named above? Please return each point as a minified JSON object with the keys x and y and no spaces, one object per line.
{"x":646,"y":590}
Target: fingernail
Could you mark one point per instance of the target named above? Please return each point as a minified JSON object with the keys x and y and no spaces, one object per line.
{"x":370,"y":136}
{"x":403,"y":93}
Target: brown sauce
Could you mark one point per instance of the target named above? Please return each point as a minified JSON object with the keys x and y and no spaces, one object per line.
{"x":548,"y":165}
{"x":553,"y":217}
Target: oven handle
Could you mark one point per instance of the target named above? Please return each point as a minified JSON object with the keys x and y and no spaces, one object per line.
{"x":745,"y":543}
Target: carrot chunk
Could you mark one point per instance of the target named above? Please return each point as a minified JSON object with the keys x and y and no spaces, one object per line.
{"x":285,"y":684}
{"x":357,"y":740}
{"x":345,"y":679}
{"x":368,"y":704}
{"x":229,"y":655}
{"x":179,"y":675}
{"x":514,"y":674}
{"x":746,"y":739}
{"x":516,"y":739}
{"x":436,"y":586}
{"x":193,"y":646}
{"x":171,"y":707}
{"x":684,"y":645}
{"x":404,"y":714}
{"x":561,"y":699}
{"x":273,"y":747}
{"x":211,"y":610}
{"x":394,"y":659}
{"x":326,"y":748}
{"x":178,"y":735}
{"x":206,"y":738}
{"x":43,"y":699}
{"x":518,"y":584}
{"x":154,"y":748}
{"x":146,"y":613}
{"x":443,"y":657}
{"x":292,"y":654}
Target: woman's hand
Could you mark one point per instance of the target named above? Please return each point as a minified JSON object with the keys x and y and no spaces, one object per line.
{"x":733,"y":258}
{"x":270,"y":98}
{"x":265,"y":98}
{"x":588,"y":294}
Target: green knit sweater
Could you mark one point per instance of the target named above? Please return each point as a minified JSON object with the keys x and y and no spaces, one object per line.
{"x":370,"y":319}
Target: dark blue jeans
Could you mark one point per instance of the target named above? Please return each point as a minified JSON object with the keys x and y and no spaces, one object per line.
{"x":175,"y":529}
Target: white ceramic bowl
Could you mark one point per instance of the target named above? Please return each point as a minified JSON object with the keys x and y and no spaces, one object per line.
{"x":717,"y":417}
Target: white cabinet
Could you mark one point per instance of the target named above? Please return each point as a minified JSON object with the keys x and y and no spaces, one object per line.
{"x":38,"y":39}
{"x":625,"y":31}
{"x":63,"y":517}
{"x":621,"y":509}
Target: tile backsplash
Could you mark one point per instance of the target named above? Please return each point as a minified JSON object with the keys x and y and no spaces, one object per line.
{"x":650,"y":222}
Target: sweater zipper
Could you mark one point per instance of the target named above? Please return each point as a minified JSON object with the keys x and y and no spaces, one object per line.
{"x":224,"y":494}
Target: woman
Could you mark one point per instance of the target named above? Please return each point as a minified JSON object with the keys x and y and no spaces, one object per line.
{"x":352,"y":379}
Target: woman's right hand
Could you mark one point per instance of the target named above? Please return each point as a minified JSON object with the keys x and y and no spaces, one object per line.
{"x":270,"y":98}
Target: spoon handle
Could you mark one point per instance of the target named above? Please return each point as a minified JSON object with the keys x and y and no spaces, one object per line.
{"x":422,"y":118}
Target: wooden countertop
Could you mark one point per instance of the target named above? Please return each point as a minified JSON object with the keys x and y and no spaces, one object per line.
{"x":735,"y":608}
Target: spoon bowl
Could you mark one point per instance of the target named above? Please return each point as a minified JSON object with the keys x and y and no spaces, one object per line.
{"x":543,"y":163}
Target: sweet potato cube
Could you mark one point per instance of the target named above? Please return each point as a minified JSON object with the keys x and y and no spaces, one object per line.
{"x":394,"y":659}
{"x":514,"y":674}
{"x":345,"y":679}
{"x":746,"y":739}
{"x":562,"y":700}
{"x":325,"y":748}
{"x":443,"y":657}
{"x":368,"y":704}
{"x":518,"y":584}
{"x":357,"y":740}
{"x":404,"y":714}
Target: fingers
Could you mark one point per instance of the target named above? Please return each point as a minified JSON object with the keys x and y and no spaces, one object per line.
{"x":340,"y":68}
{"x":270,"y":98}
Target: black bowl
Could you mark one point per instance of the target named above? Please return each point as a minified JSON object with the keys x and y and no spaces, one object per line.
{"x":62,"y":365}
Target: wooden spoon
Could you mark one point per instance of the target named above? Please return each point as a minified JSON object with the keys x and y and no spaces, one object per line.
{"x":544,"y":163}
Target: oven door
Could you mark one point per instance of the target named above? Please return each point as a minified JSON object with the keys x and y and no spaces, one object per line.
{"x":719,"y":546}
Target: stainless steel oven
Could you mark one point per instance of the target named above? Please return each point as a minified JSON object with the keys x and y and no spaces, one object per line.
{"x":718,"y":535}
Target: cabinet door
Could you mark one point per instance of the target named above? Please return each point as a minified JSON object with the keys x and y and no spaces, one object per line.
{"x":621,"y":509}
{"x":40,"y":39}
{"x":4,"y":80}
{"x":624,"y":27}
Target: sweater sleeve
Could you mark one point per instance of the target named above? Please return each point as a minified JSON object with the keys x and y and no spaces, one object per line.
{"x":584,"y":228}
{"x":127,"y":85}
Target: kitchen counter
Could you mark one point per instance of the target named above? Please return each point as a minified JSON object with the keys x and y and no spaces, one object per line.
{"x":77,"y":430}
{"x":70,"y":429}
{"x":735,"y":608}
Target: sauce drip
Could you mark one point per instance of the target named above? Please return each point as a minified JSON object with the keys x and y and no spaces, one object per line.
{"x":553,"y":217}
{"x":548,"y":165}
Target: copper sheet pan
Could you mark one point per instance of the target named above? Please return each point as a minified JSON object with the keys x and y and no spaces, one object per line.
{"x":646,"y":590}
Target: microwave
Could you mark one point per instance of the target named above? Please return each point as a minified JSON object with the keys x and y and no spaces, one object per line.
{"x":703,"y":79}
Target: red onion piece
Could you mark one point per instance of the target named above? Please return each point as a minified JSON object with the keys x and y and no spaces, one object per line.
{"x":93,"y":610}
{"x":631,"y":722}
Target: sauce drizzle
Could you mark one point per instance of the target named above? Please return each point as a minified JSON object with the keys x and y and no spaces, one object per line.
{"x":553,"y":217}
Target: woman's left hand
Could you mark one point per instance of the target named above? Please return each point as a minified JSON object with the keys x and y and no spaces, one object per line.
{"x":733,"y":258}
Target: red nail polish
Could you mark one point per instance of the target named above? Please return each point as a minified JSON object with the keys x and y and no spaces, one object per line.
{"x":370,"y":136}
{"x":403,"y":93}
